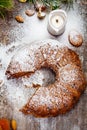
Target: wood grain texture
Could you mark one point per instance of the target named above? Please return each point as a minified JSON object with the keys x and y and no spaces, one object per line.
{"x":13,"y":33}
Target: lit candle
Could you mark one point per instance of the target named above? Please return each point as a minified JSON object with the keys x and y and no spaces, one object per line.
{"x":57,"y":22}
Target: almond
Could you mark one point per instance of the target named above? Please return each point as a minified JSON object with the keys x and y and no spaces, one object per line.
{"x":19,"y":19}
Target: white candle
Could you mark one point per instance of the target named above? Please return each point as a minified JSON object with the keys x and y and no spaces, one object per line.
{"x":57,"y":21}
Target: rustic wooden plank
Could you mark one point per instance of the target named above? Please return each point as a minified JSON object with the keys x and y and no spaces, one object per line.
{"x":33,"y":29}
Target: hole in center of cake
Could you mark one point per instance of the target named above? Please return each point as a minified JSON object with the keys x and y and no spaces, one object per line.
{"x":48,"y":76}
{"x":41,"y":78}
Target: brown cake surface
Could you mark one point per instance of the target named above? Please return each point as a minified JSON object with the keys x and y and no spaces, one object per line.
{"x":60,"y":96}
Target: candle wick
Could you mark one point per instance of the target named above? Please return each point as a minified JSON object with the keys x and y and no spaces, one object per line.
{"x":57,"y":20}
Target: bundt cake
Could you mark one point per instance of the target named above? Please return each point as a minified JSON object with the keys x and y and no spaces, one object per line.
{"x":58,"y":97}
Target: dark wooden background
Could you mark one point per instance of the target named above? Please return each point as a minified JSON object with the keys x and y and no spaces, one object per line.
{"x":33,"y":29}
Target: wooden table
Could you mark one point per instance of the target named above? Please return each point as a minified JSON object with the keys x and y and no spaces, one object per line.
{"x":13,"y":35}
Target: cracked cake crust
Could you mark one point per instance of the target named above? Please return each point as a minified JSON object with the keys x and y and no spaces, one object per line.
{"x":60,"y":96}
